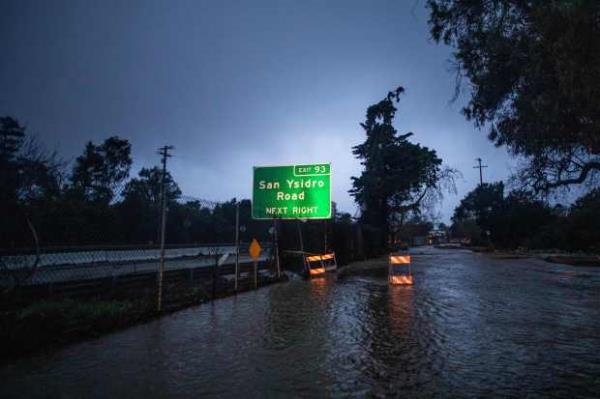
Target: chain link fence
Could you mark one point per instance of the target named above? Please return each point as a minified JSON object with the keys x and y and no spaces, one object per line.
{"x":106,"y":258}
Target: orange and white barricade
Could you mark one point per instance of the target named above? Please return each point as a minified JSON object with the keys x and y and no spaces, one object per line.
{"x":318,"y":265}
{"x":399,"y":270}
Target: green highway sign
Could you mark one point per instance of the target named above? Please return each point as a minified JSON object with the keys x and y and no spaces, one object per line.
{"x":292,"y":192}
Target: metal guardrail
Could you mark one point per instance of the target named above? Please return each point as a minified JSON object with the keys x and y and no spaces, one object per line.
{"x":52,"y":267}
{"x":140,"y":284}
{"x":109,"y":256}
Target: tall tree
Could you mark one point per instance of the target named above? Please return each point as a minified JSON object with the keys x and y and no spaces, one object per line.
{"x":101,"y":169}
{"x":41,"y":173}
{"x":30,"y":179}
{"x":399,"y":176}
{"x":486,"y":215}
{"x":476,"y":214}
{"x":146,"y":188}
{"x":11,"y":140}
{"x":584,"y":219}
{"x":534,"y":72}
{"x":141,"y":206}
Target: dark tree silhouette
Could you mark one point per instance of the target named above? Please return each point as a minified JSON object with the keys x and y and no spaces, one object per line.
{"x":534,"y":73}
{"x":97,"y":206}
{"x":518,"y":219}
{"x":141,"y":206}
{"x":101,"y":169}
{"x":399,"y":177}
{"x":146,"y":188}
{"x":584,"y":219}
{"x":11,"y":140}
{"x":30,"y":180}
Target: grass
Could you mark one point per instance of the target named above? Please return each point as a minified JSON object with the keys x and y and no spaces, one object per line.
{"x":27,"y":327}
{"x":75,"y":311}
{"x":55,"y":322}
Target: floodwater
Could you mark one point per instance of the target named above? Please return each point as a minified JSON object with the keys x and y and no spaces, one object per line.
{"x":471,"y":326}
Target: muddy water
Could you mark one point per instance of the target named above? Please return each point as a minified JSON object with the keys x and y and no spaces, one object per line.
{"x":471,"y":326}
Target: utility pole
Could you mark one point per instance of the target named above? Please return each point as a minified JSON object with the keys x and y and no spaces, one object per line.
{"x":301,"y":244}
{"x":276,"y":245}
{"x":164,"y":152}
{"x":480,"y":167}
{"x":325,"y":236}
{"x":237,"y":244}
{"x":300,"y":236}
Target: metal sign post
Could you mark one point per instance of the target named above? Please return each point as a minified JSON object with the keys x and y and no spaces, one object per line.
{"x":255,"y":253}
{"x":300,"y":238}
{"x":325,"y":237}
{"x":276,"y":243}
{"x":255,"y":265}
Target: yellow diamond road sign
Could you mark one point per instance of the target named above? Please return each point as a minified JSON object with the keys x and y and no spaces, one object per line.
{"x":255,"y":249}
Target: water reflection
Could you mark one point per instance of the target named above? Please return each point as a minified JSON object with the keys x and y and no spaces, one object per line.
{"x":401,"y":308}
{"x":320,"y":286}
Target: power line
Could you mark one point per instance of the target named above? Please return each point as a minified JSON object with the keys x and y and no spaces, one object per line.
{"x":480,"y":166}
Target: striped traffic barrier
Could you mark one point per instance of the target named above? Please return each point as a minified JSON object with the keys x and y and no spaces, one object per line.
{"x":399,"y":270}
{"x":320,"y":264}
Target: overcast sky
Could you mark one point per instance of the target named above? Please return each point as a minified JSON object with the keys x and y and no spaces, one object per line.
{"x":233,"y":84}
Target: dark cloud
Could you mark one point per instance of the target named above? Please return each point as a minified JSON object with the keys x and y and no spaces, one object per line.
{"x":232,"y":84}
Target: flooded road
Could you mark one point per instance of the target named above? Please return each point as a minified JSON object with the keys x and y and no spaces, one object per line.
{"x":471,"y":326}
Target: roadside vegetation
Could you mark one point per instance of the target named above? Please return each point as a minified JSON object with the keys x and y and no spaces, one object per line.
{"x":94,"y":201}
{"x":531,"y":73}
{"x":488,"y":216}
{"x":400,"y":180}
{"x":55,"y":322}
